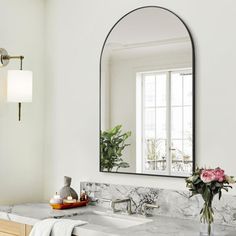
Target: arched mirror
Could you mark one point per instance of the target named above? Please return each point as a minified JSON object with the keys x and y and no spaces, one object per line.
{"x":147,"y":95}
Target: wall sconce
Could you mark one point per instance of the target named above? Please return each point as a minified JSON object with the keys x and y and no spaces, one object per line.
{"x":19,"y":82}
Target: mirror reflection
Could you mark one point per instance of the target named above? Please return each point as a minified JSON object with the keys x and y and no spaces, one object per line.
{"x":147,"y":96}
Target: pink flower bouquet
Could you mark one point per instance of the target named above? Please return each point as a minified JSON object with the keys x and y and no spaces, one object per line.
{"x":208,"y":183}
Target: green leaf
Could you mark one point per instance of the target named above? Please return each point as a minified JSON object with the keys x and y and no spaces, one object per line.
{"x":112,"y":145}
{"x":217,"y":184}
{"x":206,"y":193}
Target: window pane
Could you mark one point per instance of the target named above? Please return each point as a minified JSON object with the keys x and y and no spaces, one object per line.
{"x":188,"y":157}
{"x":181,"y":157}
{"x":150,"y":155}
{"x":187,"y":152}
{"x":176,"y":122}
{"x":188,"y":95}
{"x":156,"y":110}
{"x":161,"y":123}
{"x":149,"y":91}
{"x":176,"y":155}
{"x":161,"y":155}
{"x":149,"y":165}
{"x":149,"y":123}
{"x":176,"y":89}
{"x":161,"y":90}
{"x":187,"y":164}
{"x":176,"y":149}
{"x":188,"y":123}
{"x":155,"y":154}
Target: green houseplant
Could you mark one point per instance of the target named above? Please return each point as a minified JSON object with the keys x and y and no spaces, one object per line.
{"x":112,"y":144}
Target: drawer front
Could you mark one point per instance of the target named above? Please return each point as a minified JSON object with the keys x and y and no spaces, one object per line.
{"x":28,"y":228}
{"x":8,"y":228}
{"x":6,"y":234}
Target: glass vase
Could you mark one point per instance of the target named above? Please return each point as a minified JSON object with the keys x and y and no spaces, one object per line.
{"x":206,"y":229}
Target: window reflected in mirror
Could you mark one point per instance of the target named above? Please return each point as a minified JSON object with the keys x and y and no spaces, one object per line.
{"x":147,"y":96}
{"x":164,"y":122}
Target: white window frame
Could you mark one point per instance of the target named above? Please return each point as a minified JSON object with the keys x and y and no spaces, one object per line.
{"x":140,"y":121}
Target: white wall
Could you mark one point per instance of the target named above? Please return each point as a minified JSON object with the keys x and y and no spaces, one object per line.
{"x":21,"y":143}
{"x":76,"y":30}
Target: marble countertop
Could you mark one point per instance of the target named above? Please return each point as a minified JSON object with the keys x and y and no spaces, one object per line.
{"x":160,"y":225}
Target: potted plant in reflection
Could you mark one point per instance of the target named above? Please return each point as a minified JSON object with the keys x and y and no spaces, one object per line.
{"x":112,"y":145}
{"x":208,"y":183}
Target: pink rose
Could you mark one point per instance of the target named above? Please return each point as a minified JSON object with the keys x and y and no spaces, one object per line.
{"x":207,"y":175}
{"x":219,"y":175}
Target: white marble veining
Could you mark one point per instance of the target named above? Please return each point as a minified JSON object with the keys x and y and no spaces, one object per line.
{"x":158,"y":225}
{"x":173,"y":203}
{"x":176,"y":216}
{"x":161,"y":226}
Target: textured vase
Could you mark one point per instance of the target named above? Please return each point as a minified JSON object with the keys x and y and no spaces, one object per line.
{"x":67,"y":191}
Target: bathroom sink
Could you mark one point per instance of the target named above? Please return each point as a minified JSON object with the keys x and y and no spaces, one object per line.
{"x":110,"y":220}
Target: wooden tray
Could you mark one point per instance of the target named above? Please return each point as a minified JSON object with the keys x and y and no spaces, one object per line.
{"x":69,"y":205}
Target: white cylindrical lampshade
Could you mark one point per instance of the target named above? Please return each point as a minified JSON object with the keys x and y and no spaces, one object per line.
{"x":19,"y":86}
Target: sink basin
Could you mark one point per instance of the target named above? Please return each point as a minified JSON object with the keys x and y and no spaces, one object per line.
{"x":114,"y":221}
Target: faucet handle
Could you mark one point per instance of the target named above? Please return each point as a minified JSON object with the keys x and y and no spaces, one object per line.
{"x":148,"y":206}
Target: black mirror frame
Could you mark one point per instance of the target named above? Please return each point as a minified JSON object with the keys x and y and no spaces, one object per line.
{"x":193,"y":88}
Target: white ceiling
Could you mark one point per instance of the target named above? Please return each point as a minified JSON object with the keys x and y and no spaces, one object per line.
{"x":147,"y":25}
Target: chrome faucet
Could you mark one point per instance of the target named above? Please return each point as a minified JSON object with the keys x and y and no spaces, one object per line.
{"x":117,"y":201}
{"x":147,"y":206}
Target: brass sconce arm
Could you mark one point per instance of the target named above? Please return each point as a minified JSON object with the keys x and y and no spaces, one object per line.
{"x":5,"y":58}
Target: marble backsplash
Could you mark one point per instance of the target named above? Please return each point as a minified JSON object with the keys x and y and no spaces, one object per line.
{"x":172,"y":203}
